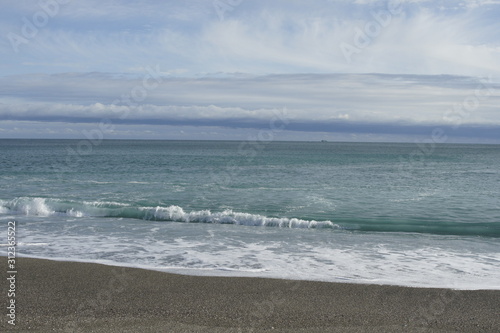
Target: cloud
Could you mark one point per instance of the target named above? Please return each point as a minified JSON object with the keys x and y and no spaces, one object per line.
{"x":349,"y":103}
{"x":262,"y":37}
{"x":233,"y":69}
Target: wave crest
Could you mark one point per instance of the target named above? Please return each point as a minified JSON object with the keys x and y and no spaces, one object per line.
{"x":55,"y":207}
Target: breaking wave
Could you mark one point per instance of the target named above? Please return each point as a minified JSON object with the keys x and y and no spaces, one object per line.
{"x":55,"y":207}
{"x":32,"y":206}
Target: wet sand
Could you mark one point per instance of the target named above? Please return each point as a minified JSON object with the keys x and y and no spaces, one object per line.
{"x":54,"y":296}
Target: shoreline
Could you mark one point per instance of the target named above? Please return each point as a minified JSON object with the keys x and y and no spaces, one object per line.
{"x":65,"y":296}
{"x":185,"y":272}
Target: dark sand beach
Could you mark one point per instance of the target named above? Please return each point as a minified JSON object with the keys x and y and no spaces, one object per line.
{"x":55,"y":296}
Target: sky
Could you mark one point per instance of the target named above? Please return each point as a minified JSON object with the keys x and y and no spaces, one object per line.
{"x":360,"y":70}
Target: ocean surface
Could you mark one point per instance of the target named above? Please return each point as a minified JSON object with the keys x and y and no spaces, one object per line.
{"x":408,"y":214}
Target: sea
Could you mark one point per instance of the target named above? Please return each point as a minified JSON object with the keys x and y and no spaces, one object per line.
{"x":408,"y":214}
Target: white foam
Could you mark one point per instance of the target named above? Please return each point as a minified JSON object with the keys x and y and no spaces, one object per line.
{"x":74,"y":213}
{"x":32,"y":244}
{"x":28,"y":206}
{"x":223,"y":250}
{"x":112,"y":204}
{"x":176,"y":213}
{"x":98,"y":182}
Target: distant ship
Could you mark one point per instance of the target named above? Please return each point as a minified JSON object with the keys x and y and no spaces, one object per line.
{"x":324,"y":141}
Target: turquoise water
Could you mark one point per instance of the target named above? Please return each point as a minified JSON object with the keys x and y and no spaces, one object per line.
{"x":359,"y":212}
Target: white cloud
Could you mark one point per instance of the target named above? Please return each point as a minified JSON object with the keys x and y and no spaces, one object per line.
{"x":373,"y":98}
{"x":262,"y":37}
{"x":219,"y":70}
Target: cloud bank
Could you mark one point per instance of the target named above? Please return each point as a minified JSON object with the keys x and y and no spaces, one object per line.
{"x":390,"y":69}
